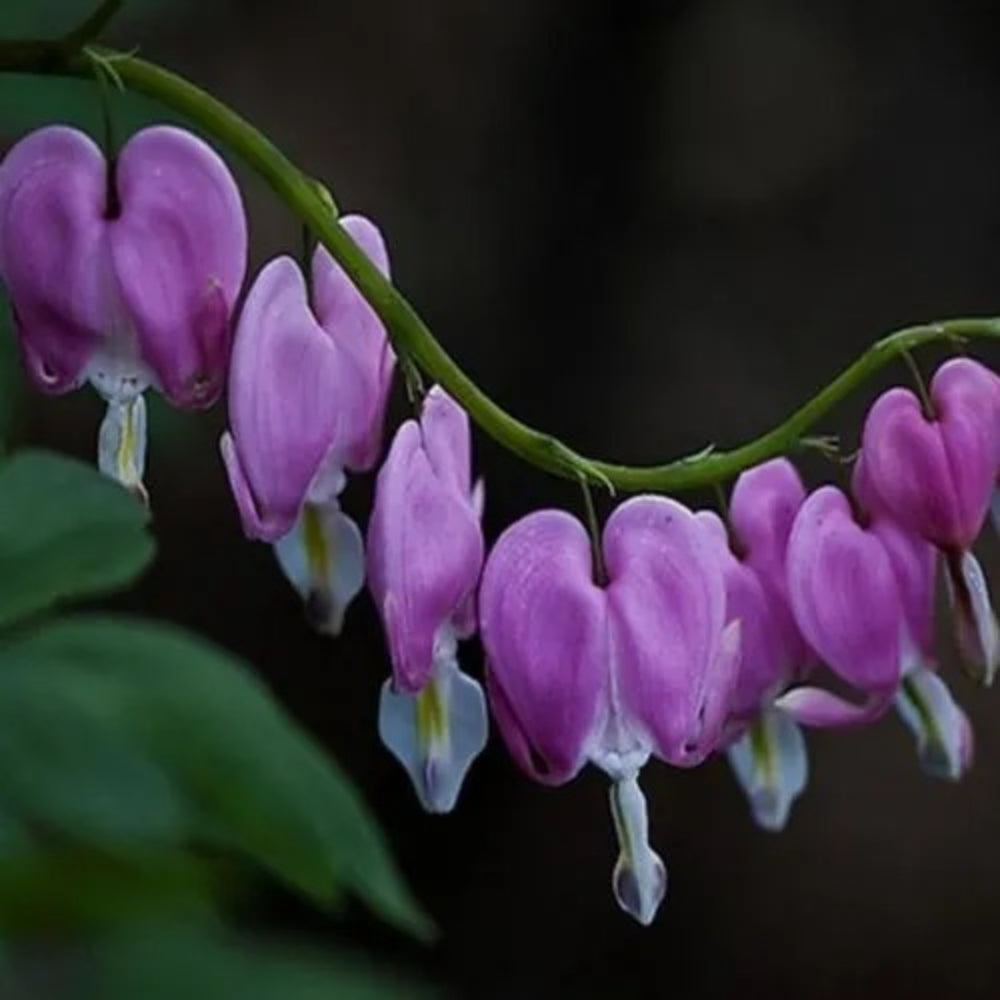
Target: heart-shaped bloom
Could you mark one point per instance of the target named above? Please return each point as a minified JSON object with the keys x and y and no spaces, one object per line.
{"x":425,"y":555}
{"x":307,"y":392}
{"x":612,"y":671}
{"x":941,"y":729}
{"x":935,"y":477}
{"x":768,"y":752}
{"x":125,"y":275}
{"x":844,"y":593}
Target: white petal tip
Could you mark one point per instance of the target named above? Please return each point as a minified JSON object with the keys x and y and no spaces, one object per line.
{"x":941,"y":729}
{"x":771,"y":810}
{"x":639,"y":897}
{"x":639,"y":880}
{"x":435,"y":734}
{"x":976,"y":628}
{"x":323,"y":558}
{"x":771,"y":764}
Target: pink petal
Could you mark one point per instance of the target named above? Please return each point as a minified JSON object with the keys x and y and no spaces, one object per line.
{"x":762,"y":509}
{"x":346,"y":316}
{"x":180,"y":253}
{"x":667,"y":606}
{"x":906,"y":467}
{"x":763,"y":662}
{"x":447,"y":440}
{"x":287,"y":394}
{"x":914,"y":563}
{"x":844,"y":593}
{"x":425,"y":553}
{"x":53,"y":257}
{"x":935,"y":476}
{"x":544,"y":629}
{"x":967,"y":400}
{"x":814,"y":707}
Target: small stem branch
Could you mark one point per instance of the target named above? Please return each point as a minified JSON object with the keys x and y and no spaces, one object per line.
{"x":594,"y":530}
{"x":93,"y":27}
{"x":411,"y":338}
{"x":918,"y":379}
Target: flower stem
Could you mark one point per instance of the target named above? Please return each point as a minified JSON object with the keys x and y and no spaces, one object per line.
{"x":410,"y":335}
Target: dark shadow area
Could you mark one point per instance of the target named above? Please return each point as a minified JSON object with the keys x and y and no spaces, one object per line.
{"x":642,"y":226}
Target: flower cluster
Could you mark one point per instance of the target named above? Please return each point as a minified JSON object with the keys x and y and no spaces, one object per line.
{"x":670,"y":634}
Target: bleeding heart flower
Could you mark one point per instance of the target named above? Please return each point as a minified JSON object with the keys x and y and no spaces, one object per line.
{"x":942,"y":730}
{"x":767,"y":752}
{"x":847,"y":603}
{"x":123,"y":274}
{"x":425,"y":554}
{"x":935,"y":476}
{"x":307,"y":393}
{"x":610,"y":671}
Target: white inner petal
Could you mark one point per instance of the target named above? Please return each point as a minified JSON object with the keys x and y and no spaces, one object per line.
{"x":121,"y":443}
{"x":941,"y":730}
{"x":437,"y":733}
{"x":771,"y":764}
{"x":323,"y":558}
{"x":639,"y":880}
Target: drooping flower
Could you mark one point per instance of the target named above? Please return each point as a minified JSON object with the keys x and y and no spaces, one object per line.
{"x":768,"y":751}
{"x":844,"y":593}
{"x":125,"y":275}
{"x":935,"y":475}
{"x":941,"y":729}
{"x":425,"y":555}
{"x":610,"y":671}
{"x":308,"y":385}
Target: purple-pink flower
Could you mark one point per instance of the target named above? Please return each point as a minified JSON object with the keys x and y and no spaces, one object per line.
{"x":425,"y":555}
{"x":844,"y":594}
{"x":767,"y":752}
{"x":308,"y":385}
{"x":125,"y":275}
{"x":610,"y":671}
{"x":942,"y":730}
{"x":934,"y":475}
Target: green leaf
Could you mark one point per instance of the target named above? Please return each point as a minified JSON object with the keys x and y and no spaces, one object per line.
{"x":259,"y":783}
{"x":66,"y":532}
{"x":65,"y":771}
{"x":56,"y":889}
{"x":167,"y":962}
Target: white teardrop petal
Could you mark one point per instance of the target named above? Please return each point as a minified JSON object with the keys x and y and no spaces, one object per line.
{"x":323,"y":558}
{"x":976,"y":628}
{"x":121,"y":443}
{"x":639,"y":880}
{"x":940,"y":727}
{"x":771,"y":764}
{"x":435,"y":734}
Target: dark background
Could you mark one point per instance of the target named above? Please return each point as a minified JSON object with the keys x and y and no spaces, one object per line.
{"x":642,"y":226}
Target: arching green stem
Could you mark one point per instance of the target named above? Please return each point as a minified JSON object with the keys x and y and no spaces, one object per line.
{"x":408,"y":332}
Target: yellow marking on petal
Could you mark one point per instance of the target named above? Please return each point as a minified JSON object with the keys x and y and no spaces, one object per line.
{"x":432,"y":722}
{"x":126,"y":458}
{"x":760,"y":746}
{"x":927,"y":720}
{"x":317,"y":547}
{"x":622,"y":833}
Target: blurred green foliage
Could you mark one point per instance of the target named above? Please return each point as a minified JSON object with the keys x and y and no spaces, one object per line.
{"x":54,"y":548}
{"x":145,"y":773}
